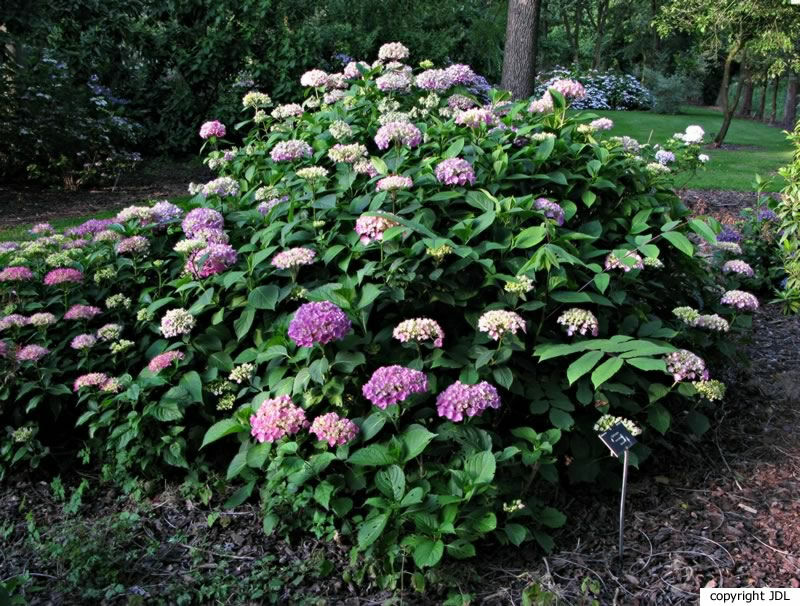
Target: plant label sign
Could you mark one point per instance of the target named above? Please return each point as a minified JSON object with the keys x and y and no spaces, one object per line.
{"x":618,"y":439}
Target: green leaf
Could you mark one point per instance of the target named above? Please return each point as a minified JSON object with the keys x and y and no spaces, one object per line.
{"x":257,"y":455}
{"x":371,"y":530}
{"x":238,"y":463}
{"x":372,"y":425}
{"x":679,"y":241}
{"x":202,"y":302}
{"x":503,"y":376}
{"x":544,"y":540}
{"x":391,"y":482}
{"x":194,"y":385}
{"x":240,"y":496}
{"x":601,"y":281}
{"x":583,"y":365}
{"x":264,"y":297}
{"x":516,"y":533}
{"x":530,"y":236}
{"x":322,"y":494}
{"x":415,"y":439}
{"x":588,"y":197}
{"x":454,"y":149}
{"x":544,"y":149}
{"x":481,"y":467}
{"x":413,"y":497}
{"x":698,"y":422}
{"x":551,"y":517}
{"x":485,"y":523}
{"x":659,"y":418}
{"x":606,"y":370}
{"x":428,"y":552}
{"x":647,"y":364}
{"x":700,"y":227}
{"x":372,"y":455}
{"x":270,"y":523}
{"x":561,"y":419}
{"x":461,"y":549}
{"x":380,"y":165}
{"x":369,"y":293}
{"x":243,"y":323}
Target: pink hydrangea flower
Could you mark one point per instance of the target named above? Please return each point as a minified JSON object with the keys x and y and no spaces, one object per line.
{"x":470,"y":400}
{"x":738,"y":267}
{"x":32,"y":353}
{"x":315,"y":78}
{"x":293,"y":149}
{"x":684,"y":365}
{"x":333,"y":429}
{"x":15,"y":273}
{"x":318,"y":322}
{"x":370,"y":229}
{"x":581,"y":321}
{"x":740,"y":300}
{"x":475,"y":117}
{"x":92,"y":379}
{"x":214,"y":128}
{"x":137,"y":245}
{"x":497,"y":323}
{"x":571,"y":89}
{"x":63,"y":276}
{"x":211,"y":260}
{"x":15,"y":320}
{"x":164,"y":360}
{"x":392,"y":384}
{"x":602,"y":124}
{"x":402,"y":133}
{"x":434,"y":80}
{"x":455,"y":171}
{"x":394,"y":183}
{"x":393,"y":51}
{"x":294,"y":257}
{"x":276,"y":418}
{"x":82,"y":312}
{"x":83,"y":342}
{"x":419,"y":330}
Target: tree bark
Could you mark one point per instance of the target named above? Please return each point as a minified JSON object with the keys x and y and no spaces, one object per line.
{"x":773,"y":116}
{"x":790,"y":105}
{"x":537,"y":13}
{"x":602,"y":14}
{"x":762,"y":103}
{"x":518,"y":52}
{"x":747,"y":93}
{"x":727,"y":107}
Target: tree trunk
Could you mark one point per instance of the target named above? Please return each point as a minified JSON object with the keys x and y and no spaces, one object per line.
{"x":602,"y":13}
{"x":537,"y":13}
{"x":773,"y":116}
{"x":790,"y":105}
{"x":727,"y":107}
{"x":763,"y":101}
{"x":518,"y":52}
{"x":747,"y":92}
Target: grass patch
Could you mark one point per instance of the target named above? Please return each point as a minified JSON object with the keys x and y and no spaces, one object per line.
{"x":727,"y":169}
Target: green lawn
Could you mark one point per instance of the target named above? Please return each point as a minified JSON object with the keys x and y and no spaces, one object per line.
{"x":727,"y":169}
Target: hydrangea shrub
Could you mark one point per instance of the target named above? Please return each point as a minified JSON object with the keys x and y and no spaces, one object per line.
{"x":390,"y":341}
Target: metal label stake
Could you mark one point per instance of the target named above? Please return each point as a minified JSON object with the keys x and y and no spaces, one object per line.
{"x":619,"y":441}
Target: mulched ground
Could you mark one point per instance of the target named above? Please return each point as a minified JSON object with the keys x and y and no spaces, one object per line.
{"x":723,"y":511}
{"x":153,"y":180}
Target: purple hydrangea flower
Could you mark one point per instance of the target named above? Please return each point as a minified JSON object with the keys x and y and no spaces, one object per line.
{"x":403,"y":133}
{"x":684,"y":365}
{"x":82,"y":312}
{"x":16,"y":273}
{"x":211,"y":260}
{"x":476,"y":117}
{"x":455,"y":171}
{"x":740,"y":300}
{"x":86,"y":341}
{"x":470,"y":400}
{"x":729,"y":234}
{"x":201,"y":218}
{"x":318,"y":322}
{"x":62,"y":276}
{"x":738,"y":267}
{"x":90,"y":227}
{"x":551,"y":210}
{"x":137,"y":245}
{"x":392,"y":384}
{"x":166,"y":212}
{"x":434,"y":79}
{"x":15,"y":320}
{"x":294,"y":149}
{"x":460,"y":74}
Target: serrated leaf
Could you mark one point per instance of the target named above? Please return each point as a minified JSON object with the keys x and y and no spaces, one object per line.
{"x":391,"y":482}
{"x":560,"y":418}
{"x":606,"y":370}
{"x":583,"y":365}
{"x":372,"y":455}
{"x":659,"y":418}
{"x":193,"y":384}
{"x":428,"y":552}
{"x":516,"y":533}
{"x":264,"y":297}
{"x":530,"y":236}
{"x":415,"y":439}
{"x":454,"y":149}
{"x":551,"y":517}
{"x":647,"y":364}
{"x":240,"y":496}
{"x":679,"y":241}
{"x":371,"y":530}
{"x":700,"y":227}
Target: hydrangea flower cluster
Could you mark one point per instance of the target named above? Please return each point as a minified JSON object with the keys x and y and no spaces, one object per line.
{"x":224,"y":187}
{"x":63,"y":276}
{"x":551,"y":210}
{"x":602,"y":124}
{"x":293,"y":149}
{"x":731,"y":247}
{"x":519,"y":286}
{"x":254,"y":100}
{"x":276,"y":418}
{"x":544,"y":105}
{"x":97,"y":379}
{"x":211,"y":260}
{"x":392,"y":51}
{"x":214,"y":128}
{"x":712,"y":322}
{"x":82,"y":312}
{"x":570,"y":89}
{"x":83,"y":342}
{"x":738,"y":267}
{"x":109,"y":332}
{"x":293,"y":258}
{"x":371,"y":228}
{"x":497,"y":323}
{"x":15,"y":274}
{"x":395,"y":81}
{"x":137,"y":245}
{"x":315,"y":78}
{"x":711,"y":390}
{"x":290,"y":110}
{"x":419,"y":330}
{"x":41,"y":229}
{"x":684,"y":365}
{"x":654,"y":262}
{"x":177,"y":322}
{"x":614,"y":262}
{"x":333,"y":429}
{"x":32,"y":353}
{"x":42,"y":319}
{"x":394,"y":183}
{"x":318,"y":322}
{"x":392,"y":384}
{"x":470,"y":400}
{"x":347,"y":153}
{"x":243,"y":372}
{"x":15,"y":320}
{"x":579,"y":321}
{"x":693,"y":134}
{"x":740,"y":300}
{"x":606,"y":422}
{"x":455,"y":171}
{"x":118,"y":301}
{"x":665,"y":157}
{"x":164,"y":360}
{"x":687,"y":315}
{"x":474,"y":118}
{"x":340,"y":130}
{"x":201,"y":218}
{"x":402,"y":133}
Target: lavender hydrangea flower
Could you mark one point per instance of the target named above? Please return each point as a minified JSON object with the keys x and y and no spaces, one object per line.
{"x":177,"y":322}
{"x":460,"y":74}
{"x":15,"y":274}
{"x":392,"y":384}
{"x":15,"y":320}
{"x":8,"y":247}
{"x":365,"y":167}
{"x":602,"y":124}
{"x":164,"y":360}
{"x":740,"y":300}
{"x":166,"y":212}
{"x":211,"y":260}
{"x":351,"y":70}
{"x":460,"y":102}
{"x":32,"y":353}
{"x":395,"y":81}
{"x":82,"y":312}
{"x":394,"y":183}
{"x":293,"y":149}
{"x":224,"y":187}
{"x":403,"y":133}
{"x":766,"y":214}
{"x":664,"y":157}
{"x":83,"y":342}
{"x":551,"y":210}
{"x":434,"y":80}
{"x":318,"y":322}
{"x":738,"y":267}
{"x":137,"y":245}
{"x":475,"y":117}
{"x":333,"y":429}
{"x":497,"y":323}
{"x":455,"y":171}
{"x":470,"y":400}
{"x":41,"y":229}
{"x":202,"y":218}
{"x":581,"y":321}
{"x":92,"y":379}
{"x":370,"y":229}
{"x":419,"y":330}
{"x":571,"y":89}
{"x":63,"y":276}
{"x":684,"y":365}
{"x":276,"y":418}
{"x":293,"y":258}
{"x":214,"y":128}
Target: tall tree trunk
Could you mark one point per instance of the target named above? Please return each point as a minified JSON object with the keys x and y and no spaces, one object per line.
{"x":576,"y":44}
{"x":763,"y":101}
{"x":747,"y":93}
{"x":727,"y":107}
{"x":790,"y":105}
{"x":773,"y":116}
{"x":518,"y":51}
{"x":602,"y":13}
{"x":537,"y":13}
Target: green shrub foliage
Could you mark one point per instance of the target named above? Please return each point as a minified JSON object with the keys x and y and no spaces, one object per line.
{"x":538,"y":261}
